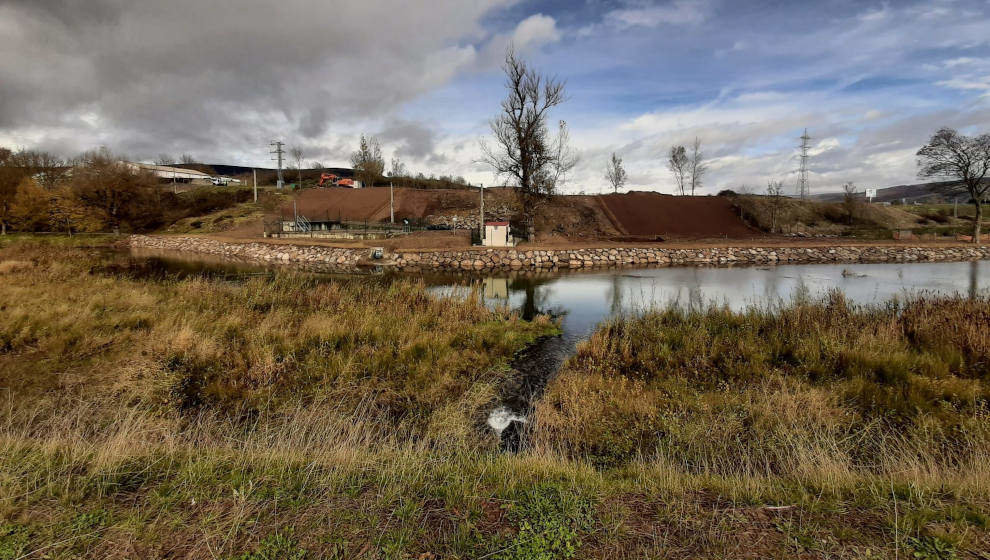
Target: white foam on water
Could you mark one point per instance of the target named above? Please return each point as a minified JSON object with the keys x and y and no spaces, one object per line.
{"x":502,"y":417}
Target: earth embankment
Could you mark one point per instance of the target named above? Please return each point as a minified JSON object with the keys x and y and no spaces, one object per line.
{"x":650,"y":215}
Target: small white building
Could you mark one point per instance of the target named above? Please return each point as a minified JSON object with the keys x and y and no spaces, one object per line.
{"x":498,"y":234}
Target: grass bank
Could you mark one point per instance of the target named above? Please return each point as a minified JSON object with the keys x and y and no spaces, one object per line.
{"x":285,"y":417}
{"x":869,"y":424}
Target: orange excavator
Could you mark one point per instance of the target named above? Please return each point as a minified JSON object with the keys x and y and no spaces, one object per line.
{"x":328,"y":180}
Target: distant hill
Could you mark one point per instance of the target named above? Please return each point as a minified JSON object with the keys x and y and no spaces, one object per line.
{"x":927,"y":192}
{"x":266,"y":175}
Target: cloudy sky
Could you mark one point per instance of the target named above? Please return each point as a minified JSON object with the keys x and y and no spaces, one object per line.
{"x":219,"y":79}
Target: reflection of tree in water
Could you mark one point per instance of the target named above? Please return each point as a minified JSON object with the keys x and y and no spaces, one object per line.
{"x":615,"y":296}
{"x":535,"y":291}
{"x":802,"y":293}
{"x":974,"y":279}
{"x":771,"y":286}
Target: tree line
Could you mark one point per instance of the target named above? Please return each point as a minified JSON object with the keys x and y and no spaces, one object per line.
{"x":370,"y":168}
{"x":94,"y":192}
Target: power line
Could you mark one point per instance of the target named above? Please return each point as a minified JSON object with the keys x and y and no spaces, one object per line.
{"x":803,"y":189}
{"x":278,"y":152}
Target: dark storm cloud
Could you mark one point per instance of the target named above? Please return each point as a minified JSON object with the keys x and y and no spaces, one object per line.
{"x":412,"y":139}
{"x":217,"y":76}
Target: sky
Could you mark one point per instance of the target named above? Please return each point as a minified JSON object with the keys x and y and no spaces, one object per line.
{"x":219,"y":80}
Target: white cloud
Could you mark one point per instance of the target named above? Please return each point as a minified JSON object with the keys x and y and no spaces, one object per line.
{"x":534,"y":31}
{"x":677,"y":12}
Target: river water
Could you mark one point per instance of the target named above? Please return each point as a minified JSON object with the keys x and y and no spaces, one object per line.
{"x":581,"y":300}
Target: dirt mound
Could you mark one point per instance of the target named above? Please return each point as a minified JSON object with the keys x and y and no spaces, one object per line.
{"x":647,"y":214}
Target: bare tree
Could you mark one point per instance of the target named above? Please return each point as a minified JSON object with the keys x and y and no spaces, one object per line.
{"x":615,"y":174}
{"x":398,"y":168}
{"x":368,"y":162}
{"x":775,"y":191}
{"x":524,"y":150}
{"x":186,"y":158}
{"x":165,"y":159}
{"x":951,"y":155}
{"x":297,"y":156}
{"x":677,"y":163}
{"x":316,"y":165}
{"x":849,"y":200}
{"x":696,"y":165}
{"x":47,"y":168}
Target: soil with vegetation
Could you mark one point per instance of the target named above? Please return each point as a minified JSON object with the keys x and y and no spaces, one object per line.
{"x":292,"y":416}
{"x":852,"y":218}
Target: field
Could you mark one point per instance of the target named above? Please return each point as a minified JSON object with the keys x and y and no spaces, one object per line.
{"x":291,"y":417}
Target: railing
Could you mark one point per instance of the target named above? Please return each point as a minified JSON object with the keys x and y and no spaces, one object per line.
{"x":303,"y":224}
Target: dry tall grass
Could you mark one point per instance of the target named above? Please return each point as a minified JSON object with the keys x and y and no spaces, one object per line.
{"x":288,"y":417}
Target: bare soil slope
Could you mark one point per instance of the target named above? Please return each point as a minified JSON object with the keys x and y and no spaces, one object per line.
{"x":372,"y":203}
{"x":342,"y":203}
{"x":648,"y":214}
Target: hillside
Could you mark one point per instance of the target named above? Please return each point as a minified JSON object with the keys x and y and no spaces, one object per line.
{"x":652,"y":215}
{"x":939,"y":190}
{"x":639,"y":215}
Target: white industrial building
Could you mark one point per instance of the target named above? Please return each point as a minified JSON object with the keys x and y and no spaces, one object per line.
{"x":179,"y":174}
{"x":169,"y":172}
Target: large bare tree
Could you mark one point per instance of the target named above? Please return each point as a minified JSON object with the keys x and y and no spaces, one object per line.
{"x":677,"y":163}
{"x":696,"y":165}
{"x":950,"y":155}
{"x":615,"y":174}
{"x":524,"y":149}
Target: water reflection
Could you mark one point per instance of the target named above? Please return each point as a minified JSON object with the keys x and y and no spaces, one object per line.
{"x":585,"y":299}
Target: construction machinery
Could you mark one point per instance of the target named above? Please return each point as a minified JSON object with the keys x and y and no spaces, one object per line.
{"x":328,"y":180}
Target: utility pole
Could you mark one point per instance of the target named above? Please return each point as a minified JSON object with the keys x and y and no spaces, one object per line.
{"x":481,"y":216}
{"x":805,"y":145}
{"x":255,"y":184}
{"x":391,"y":204}
{"x":277,"y":151}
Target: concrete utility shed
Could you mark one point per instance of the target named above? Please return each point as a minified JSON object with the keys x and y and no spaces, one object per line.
{"x":498,"y":234}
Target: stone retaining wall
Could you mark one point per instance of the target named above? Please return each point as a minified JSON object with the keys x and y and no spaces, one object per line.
{"x":344,"y":259}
